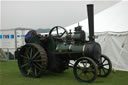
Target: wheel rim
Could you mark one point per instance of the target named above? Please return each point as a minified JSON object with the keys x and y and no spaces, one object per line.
{"x":105,"y":67}
{"x":31,"y":61}
{"x":85,"y":70}
{"x":58,"y":30}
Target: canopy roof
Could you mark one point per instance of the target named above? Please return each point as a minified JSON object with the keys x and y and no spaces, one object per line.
{"x":112,"y":19}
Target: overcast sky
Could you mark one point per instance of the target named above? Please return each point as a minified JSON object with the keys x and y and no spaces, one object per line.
{"x":46,"y":14}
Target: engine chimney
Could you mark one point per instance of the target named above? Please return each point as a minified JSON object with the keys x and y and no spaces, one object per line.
{"x":91,"y":22}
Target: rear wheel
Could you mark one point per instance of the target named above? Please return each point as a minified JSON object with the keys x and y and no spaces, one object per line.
{"x":85,"y":69}
{"x":105,"y":67}
{"x":32,"y":60}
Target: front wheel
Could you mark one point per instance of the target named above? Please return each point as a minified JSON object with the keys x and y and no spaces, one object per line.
{"x":105,"y":67}
{"x":85,"y":69}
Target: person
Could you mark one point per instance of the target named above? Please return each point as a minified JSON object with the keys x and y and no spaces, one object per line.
{"x":29,"y":35}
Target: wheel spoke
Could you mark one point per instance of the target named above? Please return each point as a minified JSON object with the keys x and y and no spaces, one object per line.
{"x":63,"y":33}
{"x":38,"y":57}
{"x":79,"y":67}
{"x":27,"y":51}
{"x":26,"y":64}
{"x":91,"y":65}
{"x":80,"y":73}
{"x":105,"y":64}
{"x":24,"y":56}
{"x":37,"y":67}
{"x":106,"y":70}
{"x":30,"y":52}
{"x":35,"y":54}
{"x":37,"y":60}
{"x":87,"y":75}
{"x":91,"y":74}
{"x":29,"y":71}
{"x":84,"y":64}
{"x":57,"y":31}
{"x":91,"y":70}
{"x":35,"y":71}
{"x":104,"y":60}
{"x":103,"y":70}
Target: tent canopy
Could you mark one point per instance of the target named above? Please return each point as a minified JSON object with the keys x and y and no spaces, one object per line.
{"x":112,"y":19}
{"x":115,"y":46}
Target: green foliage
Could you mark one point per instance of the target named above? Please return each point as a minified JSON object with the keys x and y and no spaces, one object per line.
{"x":10,"y":75}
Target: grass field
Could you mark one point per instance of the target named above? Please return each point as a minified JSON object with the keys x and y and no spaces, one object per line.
{"x":10,"y":75}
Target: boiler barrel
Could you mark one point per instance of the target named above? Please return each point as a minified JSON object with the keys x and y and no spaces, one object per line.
{"x":90,"y":49}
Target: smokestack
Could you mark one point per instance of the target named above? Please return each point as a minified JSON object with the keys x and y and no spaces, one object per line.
{"x":91,"y":22}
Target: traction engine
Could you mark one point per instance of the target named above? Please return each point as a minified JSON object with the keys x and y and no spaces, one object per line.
{"x":53,"y":52}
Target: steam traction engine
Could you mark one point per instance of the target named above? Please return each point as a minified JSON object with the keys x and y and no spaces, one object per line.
{"x":53,"y":53}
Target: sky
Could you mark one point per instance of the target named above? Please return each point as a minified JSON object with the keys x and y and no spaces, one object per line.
{"x":46,"y":14}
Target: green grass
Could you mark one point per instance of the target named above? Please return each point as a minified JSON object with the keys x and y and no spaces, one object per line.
{"x":10,"y":75}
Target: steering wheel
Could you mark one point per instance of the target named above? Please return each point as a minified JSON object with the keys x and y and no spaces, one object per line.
{"x":58,"y":32}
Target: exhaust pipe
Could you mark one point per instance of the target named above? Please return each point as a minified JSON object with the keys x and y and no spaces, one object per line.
{"x":91,"y":22}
